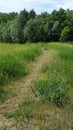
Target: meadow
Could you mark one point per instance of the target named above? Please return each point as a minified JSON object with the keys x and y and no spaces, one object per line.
{"x":36,"y":86}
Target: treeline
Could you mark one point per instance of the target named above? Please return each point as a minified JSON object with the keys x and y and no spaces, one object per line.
{"x":29,"y":27}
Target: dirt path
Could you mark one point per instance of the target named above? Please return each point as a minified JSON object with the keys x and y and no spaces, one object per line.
{"x":24,"y":87}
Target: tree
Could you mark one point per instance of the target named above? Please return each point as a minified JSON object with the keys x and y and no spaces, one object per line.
{"x":31,"y":14}
{"x":14,"y":31}
{"x":28,"y":26}
{"x":55,"y":31}
{"x":69,"y":18}
{"x":65,"y":34}
{"x":1,"y":32}
{"x":22,"y":19}
{"x":33,"y":32}
{"x":6,"y":34}
{"x":59,"y":22}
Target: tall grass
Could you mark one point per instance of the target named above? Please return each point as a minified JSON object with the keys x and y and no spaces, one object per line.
{"x":10,"y":67}
{"x":30,"y":54}
{"x":14,"y":64}
{"x":64,"y":65}
{"x":53,"y":89}
{"x":59,"y":74}
{"x":56,"y":85}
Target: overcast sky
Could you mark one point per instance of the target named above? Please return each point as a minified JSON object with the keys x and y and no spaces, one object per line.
{"x":38,"y":5}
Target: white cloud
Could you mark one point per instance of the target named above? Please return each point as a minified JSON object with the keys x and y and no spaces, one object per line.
{"x":38,"y":5}
{"x":67,"y":4}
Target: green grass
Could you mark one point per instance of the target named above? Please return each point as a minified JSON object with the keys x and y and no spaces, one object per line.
{"x":56,"y":84}
{"x":14,"y":61}
{"x":53,"y":103}
{"x":63,"y":64}
{"x":13,"y":65}
{"x":53,"y":89}
{"x":10,"y":68}
{"x":25,"y":110}
{"x":30,"y":54}
{"x":59,"y":72}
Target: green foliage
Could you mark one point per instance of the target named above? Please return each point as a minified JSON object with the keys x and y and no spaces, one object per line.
{"x":22,"y":19}
{"x":65,"y":34}
{"x":13,"y":31}
{"x":31,"y":14}
{"x":6,"y":33}
{"x":5,"y":17}
{"x":55,"y":31}
{"x":32,"y":30}
{"x":53,"y":89}
{"x":28,"y":26}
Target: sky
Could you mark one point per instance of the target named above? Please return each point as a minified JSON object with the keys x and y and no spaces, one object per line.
{"x":38,"y":5}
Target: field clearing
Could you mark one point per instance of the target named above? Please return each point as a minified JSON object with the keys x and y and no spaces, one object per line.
{"x":36,"y":86}
{"x":8,"y":48}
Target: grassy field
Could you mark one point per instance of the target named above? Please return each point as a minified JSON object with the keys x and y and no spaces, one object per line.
{"x":36,"y":86}
{"x":14,"y":62}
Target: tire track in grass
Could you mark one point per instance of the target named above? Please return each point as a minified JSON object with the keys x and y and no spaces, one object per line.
{"x":24,"y":87}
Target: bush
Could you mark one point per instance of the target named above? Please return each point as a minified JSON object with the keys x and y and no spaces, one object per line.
{"x":53,"y":89}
